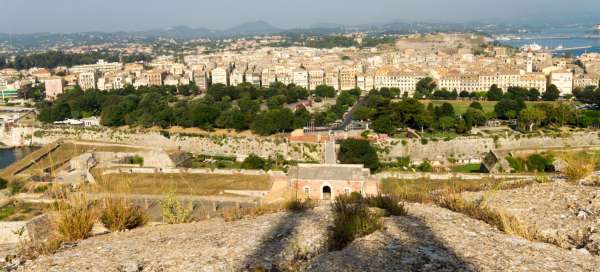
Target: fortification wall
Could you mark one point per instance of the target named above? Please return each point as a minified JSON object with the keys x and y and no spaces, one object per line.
{"x":475,"y":147}
{"x":195,"y":143}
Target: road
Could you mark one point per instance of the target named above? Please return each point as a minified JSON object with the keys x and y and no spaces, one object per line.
{"x":348,"y":117}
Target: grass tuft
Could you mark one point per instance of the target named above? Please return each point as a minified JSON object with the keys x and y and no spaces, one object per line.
{"x":76,"y":218}
{"x":118,"y":214}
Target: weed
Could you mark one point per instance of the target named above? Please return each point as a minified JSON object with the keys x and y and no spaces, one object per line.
{"x":76,"y":218}
{"x":118,"y":214}
{"x":175,"y":211}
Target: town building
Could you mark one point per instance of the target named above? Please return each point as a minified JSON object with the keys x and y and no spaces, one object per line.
{"x":54,"y":87}
{"x":563,"y":80}
{"x":87,"y":80}
{"x":327,"y":181}
{"x":219,"y":75}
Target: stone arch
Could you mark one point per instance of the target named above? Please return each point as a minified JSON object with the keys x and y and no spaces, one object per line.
{"x":326,"y":191}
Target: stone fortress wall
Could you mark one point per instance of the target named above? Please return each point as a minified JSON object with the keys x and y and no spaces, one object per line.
{"x":462,"y":149}
{"x":195,"y":143}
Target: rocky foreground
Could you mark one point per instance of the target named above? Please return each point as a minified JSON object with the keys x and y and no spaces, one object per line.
{"x":428,"y":239}
{"x":565,"y":214}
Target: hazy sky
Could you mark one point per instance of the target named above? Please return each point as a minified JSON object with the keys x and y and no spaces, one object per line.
{"x":24,"y":16}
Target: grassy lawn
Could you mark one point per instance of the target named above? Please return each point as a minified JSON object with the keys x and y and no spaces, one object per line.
{"x":22,"y":211}
{"x":461,"y":106}
{"x":182,"y":184}
{"x":467,"y":168}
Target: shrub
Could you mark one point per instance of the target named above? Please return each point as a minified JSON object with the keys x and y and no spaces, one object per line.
{"x":424,"y":141}
{"x":388,"y":203}
{"x":175,"y":211}
{"x":425,"y":166}
{"x":41,"y":189}
{"x":3,"y":184}
{"x":297,"y":205}
{"x":76,"y":218}
{"x":137,"y":160}
{"x":16,"y":186}
{"x":254,"y":162}
{"x":237,"y":213}
{"x":517,"y":164}
{"x":540,"y":163}
{"x":579,"y":167}
{"x":117,"y":215}
{"x":351,"y":220}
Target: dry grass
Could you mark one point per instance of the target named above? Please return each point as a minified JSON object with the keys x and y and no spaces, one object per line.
{"x":502,"y":220}
{"x":182,"y":184}
{"x":76,"y":218}
{"x":291,"y":205}
{"x":352,"y":219}
{"x":118,"y":214}
{"x":423,"y":191}
{"x":579,"y":166}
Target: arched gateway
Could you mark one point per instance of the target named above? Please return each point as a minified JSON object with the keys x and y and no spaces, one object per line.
{"x":326,"y":181}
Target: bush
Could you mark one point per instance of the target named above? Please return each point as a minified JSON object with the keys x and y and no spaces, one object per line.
{"x":137,"y":160}
{"x":354,"y":151}
{"x":3,"y":184}
{"x":388,"y":203}
{"x":16,"y":186}
{"x":117,"y":215}
{"x":579,"y":167}
{"x":352,"y":219}
{"x":76,"y":218}
{"x":175,"y":211}
{"x":254,"y":162}
{"x":425,"y":166}
{"x":540,"y":163}
{"x":41,"y":189}
{"x":297,"y":205}
{"x":517,"y":164}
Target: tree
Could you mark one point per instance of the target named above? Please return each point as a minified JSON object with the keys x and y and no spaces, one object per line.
{"x":551,"y":94}
{"x":464,"y":94}
{"x":446,"y":122}
{"x":254,"y":162}
{"x":475,"y":117}
{"x":353,"y":151}
{"x":533,"y":94}
{"x":495,"y":93}
{"x":446,"y":109}
{"x":509,"y":108}
{"x":383,"y":124}
{"x":362,"y":113}
{"x":476,"y":105}
{"x":530,"y":117}
{"x":324,"y":91}
{"x":425,"y":87}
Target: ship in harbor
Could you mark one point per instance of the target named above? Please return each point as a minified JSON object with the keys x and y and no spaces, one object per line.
{"x":597,"y":27}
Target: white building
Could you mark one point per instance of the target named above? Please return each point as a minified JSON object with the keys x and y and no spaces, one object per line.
{"x":87,"y":80}
{"x":563,"y":80}
{"x":300,"y":78}
{"x":219,"y":76}
{"x":100,"y":66}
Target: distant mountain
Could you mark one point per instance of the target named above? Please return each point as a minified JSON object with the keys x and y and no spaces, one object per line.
{"x":253,"y":28}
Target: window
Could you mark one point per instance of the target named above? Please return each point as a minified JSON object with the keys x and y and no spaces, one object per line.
{"x":307,"y":190}
{"x":347,"y":190}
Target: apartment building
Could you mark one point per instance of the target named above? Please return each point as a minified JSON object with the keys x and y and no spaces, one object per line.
{"x":316,"y":77}
{"x":201,"y":80}
{"x":54,"y":87}
{"x":347,"y":78}
{"x":253,"y":76}
{"x":100,"y":66}
{"x":236,"y":77}
{"x":332,"y":78}
{"x":87,"y":80}
{"x":219,"y":75}
{"x":563,"y":80}
{"x":390,"y":77}
{"x":300,"y":77}
{"x":155,"y":77}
